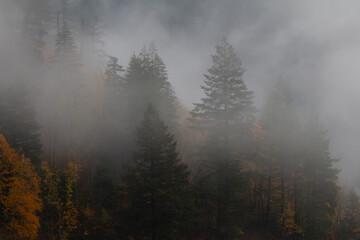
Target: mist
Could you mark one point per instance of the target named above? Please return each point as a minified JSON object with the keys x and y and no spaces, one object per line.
{"x":311,"y":45}
{"x":84,"y":85}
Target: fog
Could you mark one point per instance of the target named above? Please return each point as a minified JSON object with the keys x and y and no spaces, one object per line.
{"x":84,"y":83}
{"x":313,"y":45}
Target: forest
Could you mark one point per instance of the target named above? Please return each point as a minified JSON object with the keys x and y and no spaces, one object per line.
{"x":91,"y":149}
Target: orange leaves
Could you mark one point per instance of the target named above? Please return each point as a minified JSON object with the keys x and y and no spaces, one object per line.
{"x":19,"y":191}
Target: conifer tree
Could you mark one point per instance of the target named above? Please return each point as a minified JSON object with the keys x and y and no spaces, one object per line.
{"x":155,"y":185}
{"x":146,"y":80}
{"x":66,"y":58}
{"x":65,"y":44}
{"x":112,"y":72}
{"x":319,"y":180}
{"x":227,"y":100}
{"x":225,"y":113}
{"x":36,"y":14}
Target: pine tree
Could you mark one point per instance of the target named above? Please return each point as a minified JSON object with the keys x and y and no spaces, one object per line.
{"x":65,"y":44}
{"x":156,"y":183}
{"x":225,"y":113}
{"x":36,"y":14}
{"x":112,"y":72}
{"x":319,"y":180}
{"x":146,"y":81}
{"x":227,"y":102}
{"x":66,"y":58}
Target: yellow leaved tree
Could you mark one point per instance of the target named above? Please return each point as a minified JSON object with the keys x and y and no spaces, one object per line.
{"x":19,"y":195}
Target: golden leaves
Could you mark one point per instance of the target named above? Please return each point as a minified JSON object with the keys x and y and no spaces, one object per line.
{"x":19,"y":191}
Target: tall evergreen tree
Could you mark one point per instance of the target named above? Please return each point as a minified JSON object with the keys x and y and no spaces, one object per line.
{"x":36,"y":14}
{"x":227,"y":102}
{"x":156,"y":183}
{"x":225,"y":113}
{"x":65,"y":44}
{"x":66,"y":57}
{"x":64,"y":91}
{"x":146,"y":81}
{"x":112,"y":73}
{"x":319,"y":181}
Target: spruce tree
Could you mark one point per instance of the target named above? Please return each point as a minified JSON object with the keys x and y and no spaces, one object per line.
{"x":225,"y":113}
{"x":112,"y":73}
{"x":36,"y":14}
{"x":227,"y":102}
{"x":156,"y":183}
{"x":65,"y":44}
{"x":146,"y":81}
{"x":66,"y":58}
{"x":319,"y":180}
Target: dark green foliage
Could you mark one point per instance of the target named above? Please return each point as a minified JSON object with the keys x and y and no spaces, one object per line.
{"x":228,"y":102}
{"x":319,"y":183}
{"x":103,"y":200}
{"x":304,"y":168}
{"x":146,"y":81}
{"x":155,"y":185}
{"x":226,"y":114}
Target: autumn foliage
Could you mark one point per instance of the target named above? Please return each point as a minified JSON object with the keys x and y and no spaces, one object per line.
{"x":19,"y":191}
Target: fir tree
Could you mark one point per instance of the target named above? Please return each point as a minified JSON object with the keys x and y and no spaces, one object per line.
{"x":36,"y":14}
{"x":66,"y":57}
{"x":227,"y":100}
{"x":156,"y":182}
{"x":319,"y":180}
{"x":112,"y":72}
{"x":146,"y":81}
{"x":225,"y":113}
{"x":65,"y":44}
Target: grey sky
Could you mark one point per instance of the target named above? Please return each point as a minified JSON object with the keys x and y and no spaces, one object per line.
{"x":313,"y":45}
